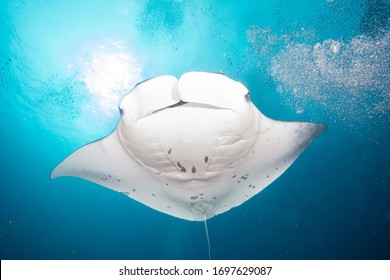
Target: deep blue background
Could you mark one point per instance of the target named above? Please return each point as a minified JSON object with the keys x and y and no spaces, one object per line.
{"x":333,"y":203}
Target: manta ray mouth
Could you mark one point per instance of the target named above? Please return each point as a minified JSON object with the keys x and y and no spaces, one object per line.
{"x":182,"y":103}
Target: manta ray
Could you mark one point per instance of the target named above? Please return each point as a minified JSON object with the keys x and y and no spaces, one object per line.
{"x":192,"y":147}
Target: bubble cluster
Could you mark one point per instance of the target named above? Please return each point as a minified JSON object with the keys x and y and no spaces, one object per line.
{"x":348,"y":79}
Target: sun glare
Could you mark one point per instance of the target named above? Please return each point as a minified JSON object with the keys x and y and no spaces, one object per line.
{"x":109,"y":75}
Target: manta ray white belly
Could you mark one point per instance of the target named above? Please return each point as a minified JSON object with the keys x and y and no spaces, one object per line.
{"x":191,"y":148}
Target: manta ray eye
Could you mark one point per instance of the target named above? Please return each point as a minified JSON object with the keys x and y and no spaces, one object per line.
{"x":248,"y":97}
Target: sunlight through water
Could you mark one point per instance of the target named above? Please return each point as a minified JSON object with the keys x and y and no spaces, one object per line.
{"x":108,"y":76}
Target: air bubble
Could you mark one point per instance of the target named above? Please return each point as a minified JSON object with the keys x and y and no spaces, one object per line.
{"x":347,"y":79}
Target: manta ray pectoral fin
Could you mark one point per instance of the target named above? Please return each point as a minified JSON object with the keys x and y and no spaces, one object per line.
{"x":277,"y":146}
{"x":106,"y":163}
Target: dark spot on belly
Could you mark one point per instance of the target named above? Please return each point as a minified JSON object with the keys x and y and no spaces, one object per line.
{"x":178,"y":164}
{"x":193,"y":169}
{"x":194,"y":197}
{"x":206,"y":159}
{"x":183,"y":169}
{"x":169,"y":151}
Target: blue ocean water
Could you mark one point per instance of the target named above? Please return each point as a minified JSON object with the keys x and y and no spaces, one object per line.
{"x":66,"y":64}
